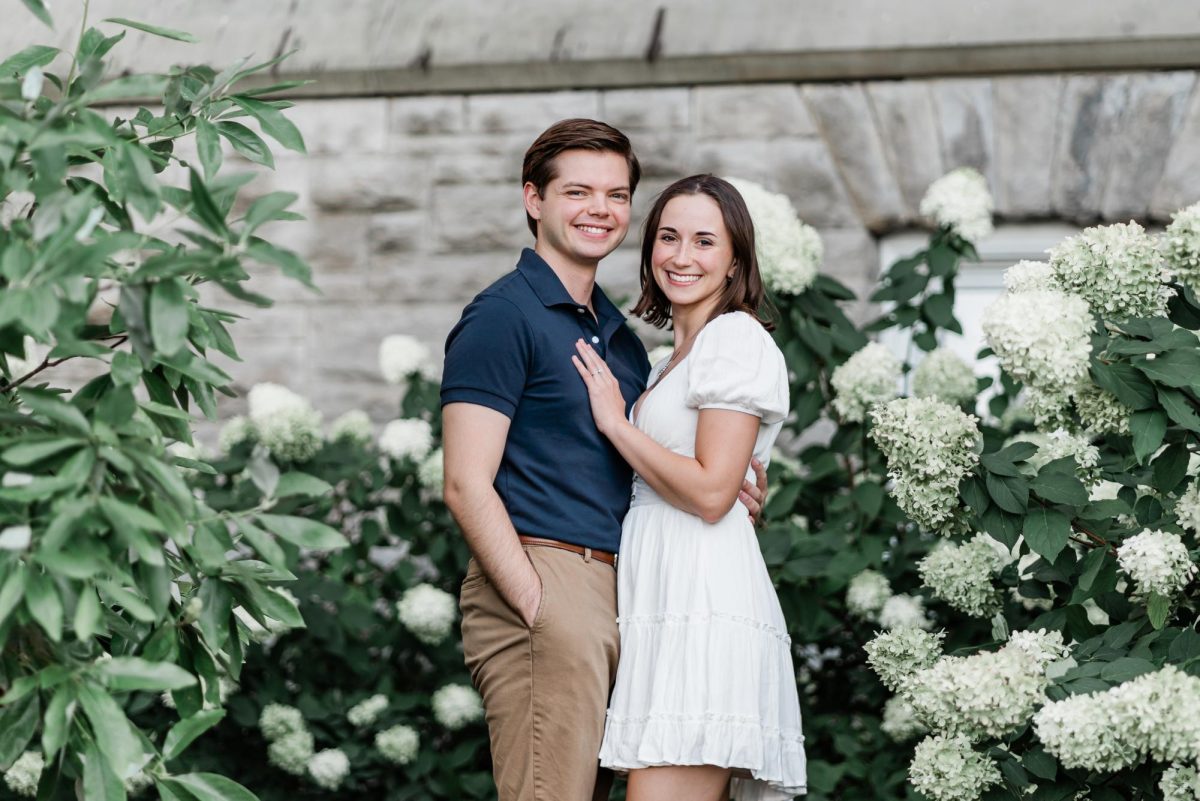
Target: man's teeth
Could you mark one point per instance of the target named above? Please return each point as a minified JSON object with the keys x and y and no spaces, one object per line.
{"x":684,"y":279}
{"x":592,"y":229}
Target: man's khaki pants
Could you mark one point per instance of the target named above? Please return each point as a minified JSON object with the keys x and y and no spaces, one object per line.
{"x":545,"y":688}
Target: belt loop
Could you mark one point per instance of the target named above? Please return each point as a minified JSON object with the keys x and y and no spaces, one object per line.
{"x":587,"y":554}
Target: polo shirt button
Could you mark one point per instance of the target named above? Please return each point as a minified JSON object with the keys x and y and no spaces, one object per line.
{"x":595,"y":340}
{"x":580,"y":310}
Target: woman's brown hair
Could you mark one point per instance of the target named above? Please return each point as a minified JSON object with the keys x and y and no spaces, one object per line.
{"x":745,"y":291}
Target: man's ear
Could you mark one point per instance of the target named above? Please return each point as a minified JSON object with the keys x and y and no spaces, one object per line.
{"x":533,"y":201}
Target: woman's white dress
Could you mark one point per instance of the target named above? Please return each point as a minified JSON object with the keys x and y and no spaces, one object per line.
{"x":705,"y":675}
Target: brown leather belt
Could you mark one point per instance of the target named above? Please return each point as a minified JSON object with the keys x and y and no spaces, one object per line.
{"x":587,"y":553}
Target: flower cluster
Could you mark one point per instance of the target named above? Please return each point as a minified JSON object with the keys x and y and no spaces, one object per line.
{"x":235,"y":431}
{"x":401,"y":357}
{"x":1181,"y":245}
{"x":1029,"y":276}
{"x":1100,"y":411}
{"x":431,"y":472}
{"x":1180,"y":783}
{"x":900,"y":721}
{"x":353,"y":426}
{"x":23,"y":777}
{"x":870,"y":376}
{"x":398,"y":745}
{"x":895,"y":655}
{"x":949,"y":769}
{"x":280,"y":720}
{"x":427,"y":612}
{"x":1042,"y":646}
{"x":329,"y":768}
{"x":789,"y":252}
{"x":285,"y":422}
{"x":930,"y":446}
{"x":1155,"y":714}
{"x":867,"y":593}
{"x":961,"y":575}
{"x":456,"y":705}
{"x":944,"y":375}
{"x":1042,"y":338}
{"x":1187,"y":508}
{"x":367,"y":711}
{"x":1116,"y":268}
{"x":960,"y":201}
{"x":290,"y":742}
{"x":1157,"y":561}
{"x":904,"y":612}
{"x":406,"y":439}
{"x":1061,"y":444}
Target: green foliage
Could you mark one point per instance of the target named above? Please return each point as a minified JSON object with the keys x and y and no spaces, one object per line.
{"x":117,"y":582}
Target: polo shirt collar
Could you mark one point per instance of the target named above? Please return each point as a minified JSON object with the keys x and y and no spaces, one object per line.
{"x":551,"y":292}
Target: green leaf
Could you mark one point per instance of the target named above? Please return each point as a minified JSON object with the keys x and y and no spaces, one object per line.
{"x":133,"y":673}
{"x":1122,"y":380}
{"x":974,"y":492}
{"x":87,"y":615}
{"x":1176,"y":368}
{"x":304,"y":532}
{"x":115,"y":735}
{"x":288,"y":262}
{"x":27,"y":453}
{"x":100,"y":783}
{"x":56,"y":721}
{"x":208,"y":144}
{"x":211,"y":787}
{"x":1047,"y":531}
{"x":1060,"y":488}
{"x":1003,"y":526}
{"x":273,"y":123}
{"x":297,"y":483}
{"x":49,"y":405}
{"x":267,"y":208}
{"x":18,"y":722}
{"x":167,"y":33}
{"x":39,"y":10}
{"x":1158,"y":609}
{"x":264,"y":544}
{"x":1039,"y":763}
{"x":206,"y":210}
{"x":130,"y":87}
{"x":1184,"y":647}
{"x":185,"y":732}
{"x":1126,"y":668}
{"x":44,"y":604}
{"x":168,"y":316}
{"x":125,"y":515}
{"x":1170,"y":467}
{"x":34,"y":56}
{"x":1009,"y":492}
{"x":246,"y":142}
{"x":939,"y":310}
{"x":12,"y":590}
{"x":1179,"y":407}
{"x":1148,"y":426}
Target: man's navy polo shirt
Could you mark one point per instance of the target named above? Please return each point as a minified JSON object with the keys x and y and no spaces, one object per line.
{"x":511,"y":351}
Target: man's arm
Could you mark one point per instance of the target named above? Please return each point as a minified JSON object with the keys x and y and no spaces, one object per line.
{"x":473,"y":441}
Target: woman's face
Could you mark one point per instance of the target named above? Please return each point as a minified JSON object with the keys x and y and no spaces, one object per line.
{"x":693,"y":254}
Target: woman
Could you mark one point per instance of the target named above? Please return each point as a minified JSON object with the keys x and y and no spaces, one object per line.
{"x":705,"y":692}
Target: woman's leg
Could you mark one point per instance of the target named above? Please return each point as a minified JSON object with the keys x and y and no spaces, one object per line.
{"x":675,"y":782}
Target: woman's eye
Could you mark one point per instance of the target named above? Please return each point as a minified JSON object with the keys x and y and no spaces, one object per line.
{"x":666,"y":238}
{"x":706,"y":242}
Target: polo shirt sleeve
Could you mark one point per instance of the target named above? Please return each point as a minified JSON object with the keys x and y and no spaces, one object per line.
{"x":488,"y":356}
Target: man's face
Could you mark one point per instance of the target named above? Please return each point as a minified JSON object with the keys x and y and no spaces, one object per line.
{"x":583,"y":214}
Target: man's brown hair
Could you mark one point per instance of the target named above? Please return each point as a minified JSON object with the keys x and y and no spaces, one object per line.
{"x":575,"y":134}
{"x":744,"y":291}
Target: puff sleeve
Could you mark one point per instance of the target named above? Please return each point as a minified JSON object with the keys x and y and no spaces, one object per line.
{"x":736,"y":365}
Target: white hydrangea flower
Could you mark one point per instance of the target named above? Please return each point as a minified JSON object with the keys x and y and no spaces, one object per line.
{"x":279,"y":720}
{"x":867,"y":593}
{"x":899,"y":721}
{"x":930,"y":446}
{"x":235,"y":431}
{"x":1117,"y":269}
{"x":429,"y":613}
{"x":456,"y":705}
{"x":329,"y":768}
{"x":432,"y":472}
{"x":948,"y":769}
{"x":868,"y":377}
{"x":904,"y":611}
{"x":1157,"y":561}
{"x":354,"y":426}
{"x":1030,"y":276}
{"x":291,"y":752}
{"x":944,"y":375}
{"x":661,"y":352}
{"x":285,"y":422}
{"x":367,"y":711}
{"x":406,"y":439}
{"x":1059,"y":444}
{"x":1180,"y":783}
{"x":138,"y":783}
{"x":1181,"y":245}
{"x":895,"y":655}
{"x":401,"y":356}
{"x":960,"y":201}
{"x":16,"y":479}
{"x":1084,"y":733}
{"x":961,"y":575}
{"x":1187,"y":508}
{"x":398,"y":745}
{"x":1044,"y":647}
{"x":23,"y":777}
{"x":1100,"y":411}
{"x":1163,"y":713}
{"x":789,"y":251}
{"x":1042,"y":338}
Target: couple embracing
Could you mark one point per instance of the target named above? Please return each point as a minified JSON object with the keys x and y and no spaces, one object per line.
{"x":563,"y":444}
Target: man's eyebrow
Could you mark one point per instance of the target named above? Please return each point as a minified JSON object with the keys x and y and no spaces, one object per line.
{"x":582,"y":185}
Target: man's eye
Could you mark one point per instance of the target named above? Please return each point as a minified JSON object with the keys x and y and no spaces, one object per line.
{"x":575,"y":192}
{"x":621,"y":196}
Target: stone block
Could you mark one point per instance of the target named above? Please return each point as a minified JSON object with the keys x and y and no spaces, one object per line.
{"x":477,"y":165}
{"x":762,"y":111}
{"x":341,"y":126}
{"x":456,"y":277}
{"x":398,"y":232}
{"x":1148,"y":125}
{"x":664,"y":154}
{"x":530,"y":113}
{"x":1177,"y":187}
{"x":848,"y":128}
{"x":964,"y":108}
{"x":422,"y":116}
{"x":370,"y":183}
{"x":908,"y":123}
{"x":338,"y":243}
{"x":1089,"y":115}
{"x":341,"y":352}
{"x":478,"y":218}
{"x":1026,"y":118}
{"x":647,"y":109}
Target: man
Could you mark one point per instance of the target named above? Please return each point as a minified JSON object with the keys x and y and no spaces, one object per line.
{"x":538,"y":492}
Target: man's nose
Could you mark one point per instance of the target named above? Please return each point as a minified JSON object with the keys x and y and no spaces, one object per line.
{"x":599,"y":206}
